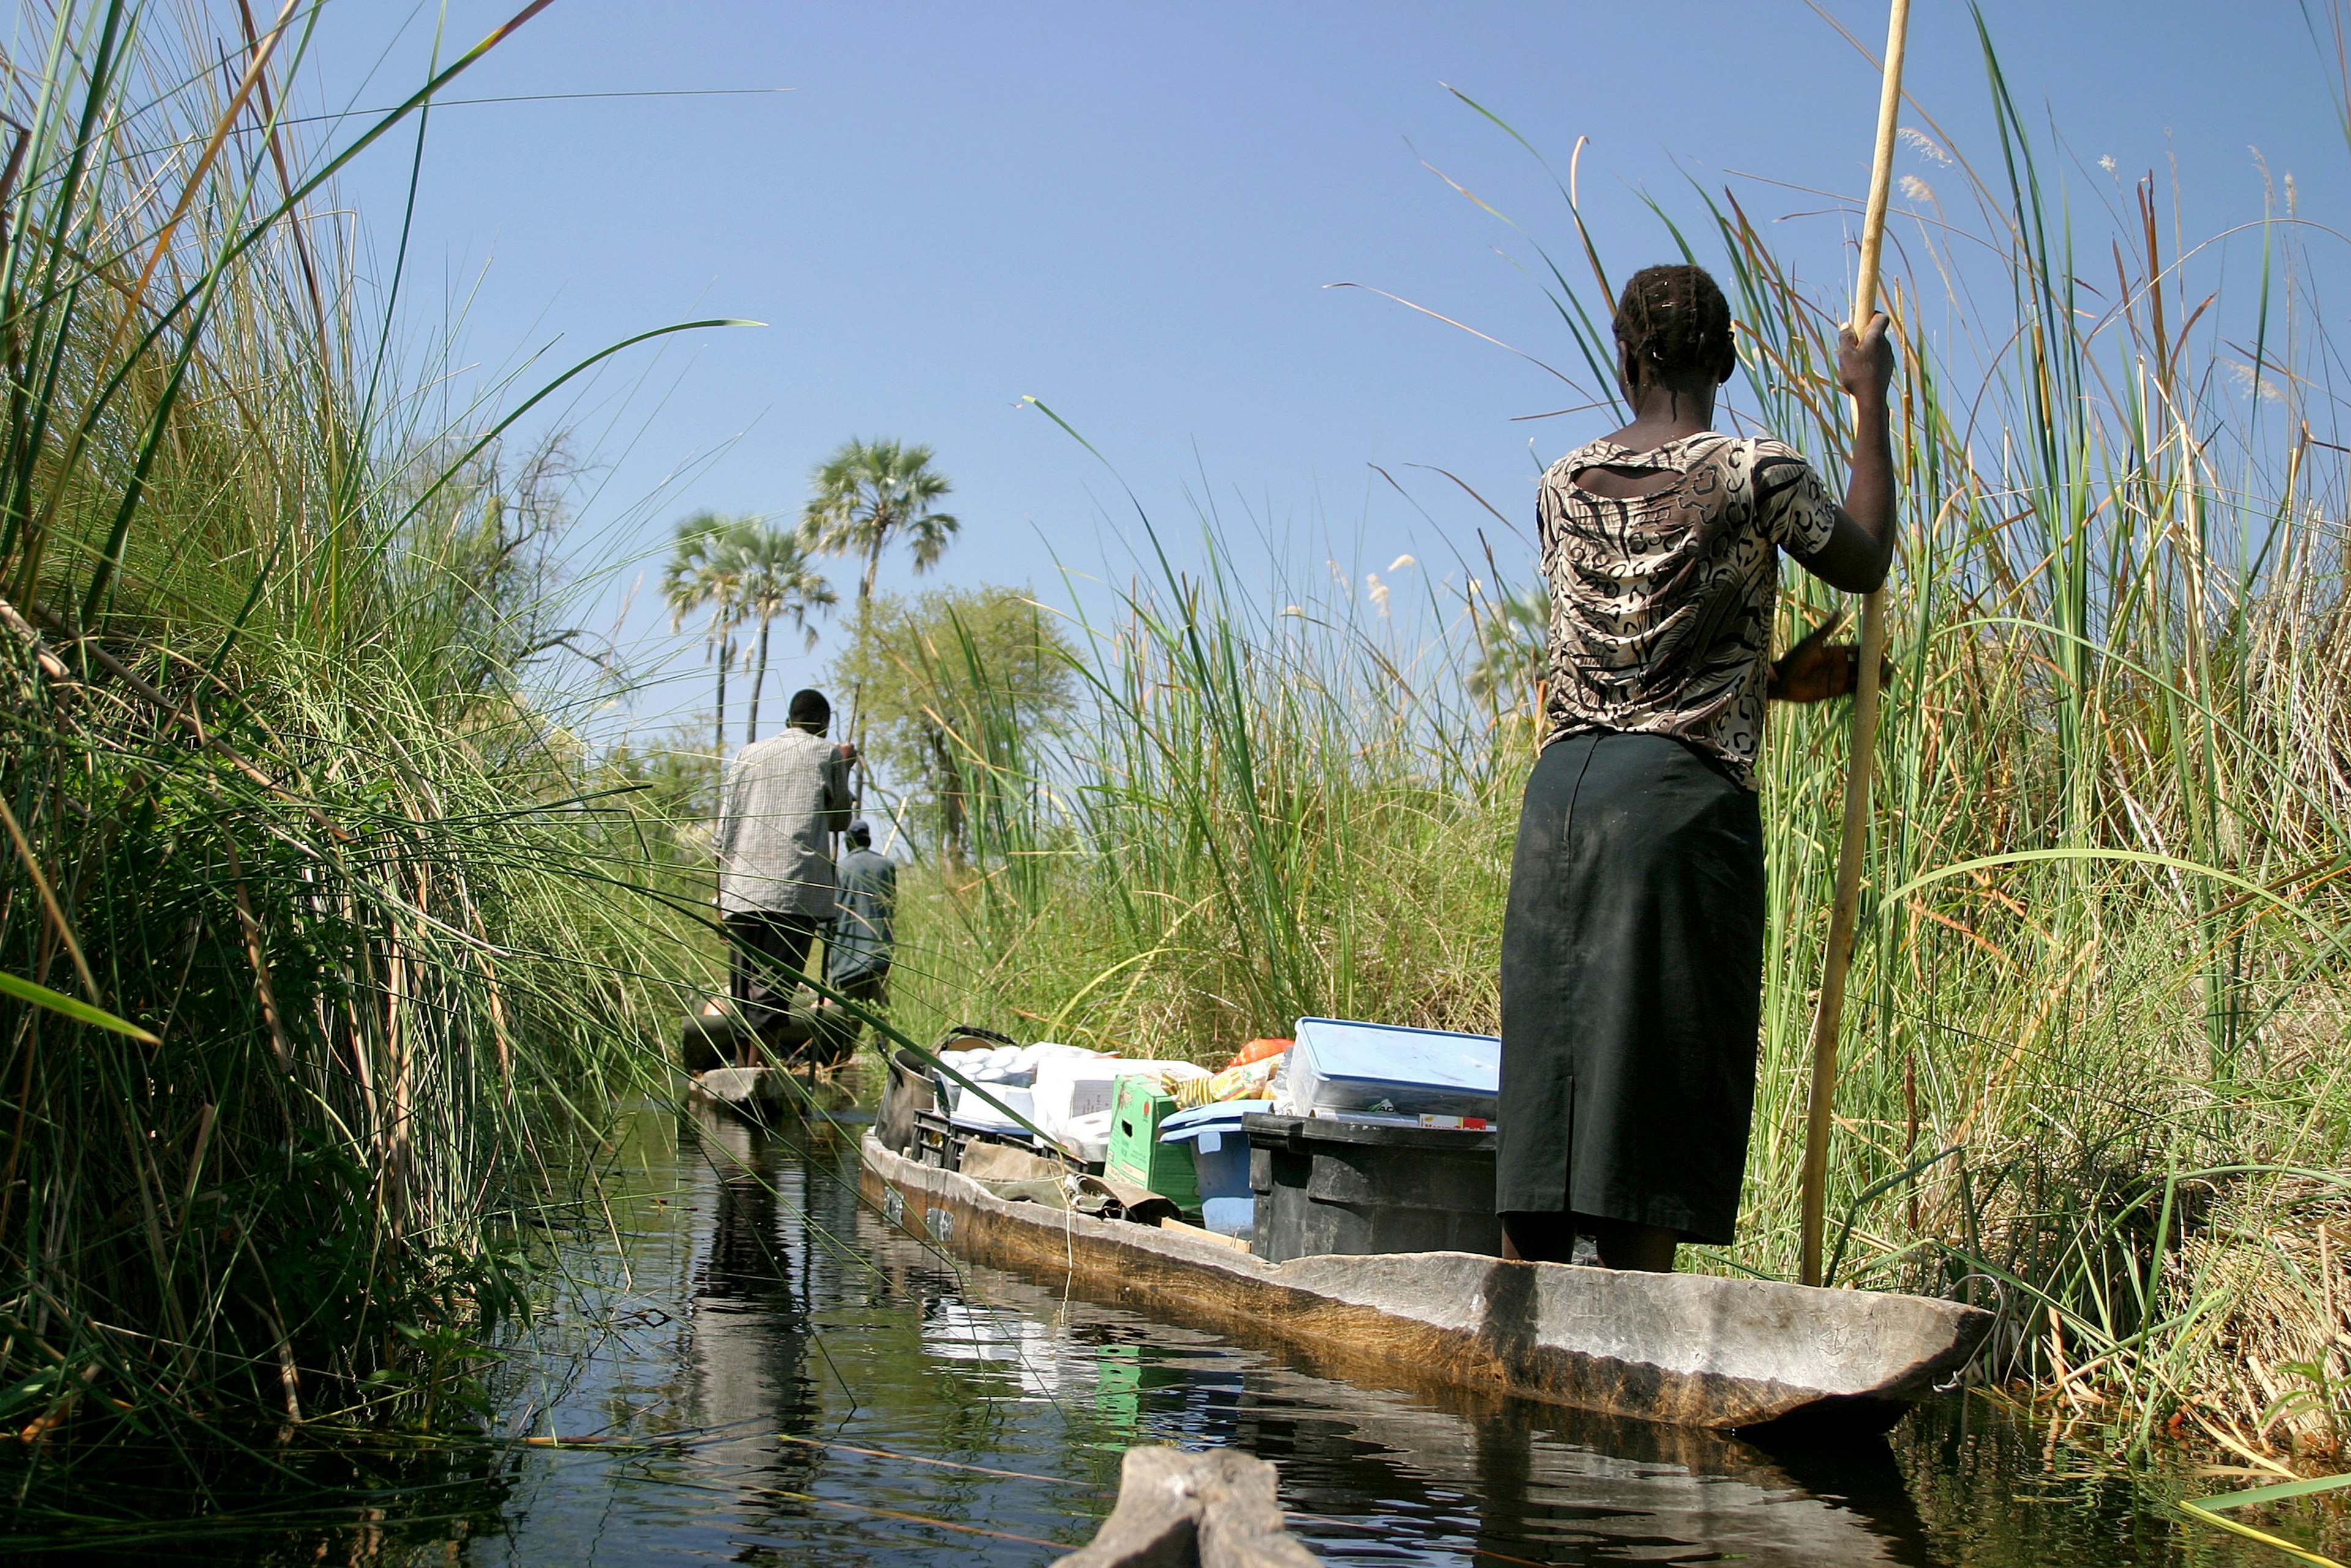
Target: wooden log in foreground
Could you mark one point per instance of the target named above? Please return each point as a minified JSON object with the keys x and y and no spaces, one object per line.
{"x":1218,"y":1509}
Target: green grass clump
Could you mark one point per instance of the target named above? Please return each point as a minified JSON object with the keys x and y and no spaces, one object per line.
{"x":2101,"y":971}
{"x":276,"y":806}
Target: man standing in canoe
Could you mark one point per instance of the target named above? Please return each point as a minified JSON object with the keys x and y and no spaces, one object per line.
{"x":781,"y":800}
{"x":1633,"y":943}
{"x":864,"y":936}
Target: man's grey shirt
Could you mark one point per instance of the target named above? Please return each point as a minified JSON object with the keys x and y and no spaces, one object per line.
{"x":779,"y":799}
{"x":864,"y":931}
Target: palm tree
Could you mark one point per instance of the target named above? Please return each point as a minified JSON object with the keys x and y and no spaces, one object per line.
{"x":772,"y":579}
{"x":869,"y":494}
{"x":705,"y":573}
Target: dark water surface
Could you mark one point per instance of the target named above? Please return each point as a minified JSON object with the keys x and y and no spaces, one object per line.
{"x":803,"y":1360}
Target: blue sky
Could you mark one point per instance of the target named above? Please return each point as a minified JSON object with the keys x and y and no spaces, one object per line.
{"x":1132,"y":211}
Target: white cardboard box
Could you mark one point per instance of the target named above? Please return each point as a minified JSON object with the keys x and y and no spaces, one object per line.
{"x":1070,"y":1088}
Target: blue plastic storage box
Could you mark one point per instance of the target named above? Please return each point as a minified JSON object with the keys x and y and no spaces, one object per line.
{"x":1220,"y":1161}
{"x":1376,"y":1072}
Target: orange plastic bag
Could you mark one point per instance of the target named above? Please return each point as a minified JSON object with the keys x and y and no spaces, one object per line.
{"x":1257,"y":1050}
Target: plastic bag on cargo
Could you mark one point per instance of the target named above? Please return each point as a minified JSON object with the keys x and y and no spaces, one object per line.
{"x":1277,"y":1088}
{"x":1244,"y":1081}
{"x":1085,"y":1138}
{"x":1259,"y":1050}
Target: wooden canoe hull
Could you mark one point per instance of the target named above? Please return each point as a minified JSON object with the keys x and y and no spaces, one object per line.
{"x":1686,"y":1348}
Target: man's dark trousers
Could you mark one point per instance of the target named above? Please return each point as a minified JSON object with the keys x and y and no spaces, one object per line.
{"x":765,"y":953}
{"x":870,"y":990}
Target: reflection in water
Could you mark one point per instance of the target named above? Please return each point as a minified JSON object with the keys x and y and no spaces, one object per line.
{"x":755,"y":1308}
{"x":750,"y":1312}
{"x":1516,"y":1484}
{"x":1390,"y":1476}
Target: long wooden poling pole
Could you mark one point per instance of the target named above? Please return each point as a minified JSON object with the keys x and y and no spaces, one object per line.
{"x":1839,"y":955}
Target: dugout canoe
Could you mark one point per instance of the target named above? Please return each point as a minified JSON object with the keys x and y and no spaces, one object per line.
{"x":1691,"y":1350}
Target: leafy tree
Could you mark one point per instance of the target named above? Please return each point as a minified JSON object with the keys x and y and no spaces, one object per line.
{"x":952,"y":682}
{"x":767,"y":572}
{"x":869,"y":495}
{"x":479,"y":565}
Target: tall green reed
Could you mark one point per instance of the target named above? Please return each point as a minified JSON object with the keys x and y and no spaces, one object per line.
{"x":276,"y":792}
{"x":2102,"y":969}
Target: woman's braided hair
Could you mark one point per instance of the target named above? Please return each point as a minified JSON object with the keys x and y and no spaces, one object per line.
{"x":1675,"y":318}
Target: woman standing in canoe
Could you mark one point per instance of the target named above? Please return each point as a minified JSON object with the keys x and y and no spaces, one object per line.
{"x":1632,"y":945}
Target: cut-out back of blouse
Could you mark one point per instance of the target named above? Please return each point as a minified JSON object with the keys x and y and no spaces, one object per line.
{"x":1661,"y":605}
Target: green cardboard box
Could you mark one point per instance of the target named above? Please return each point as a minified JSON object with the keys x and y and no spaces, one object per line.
{"x":1136,"y":1154}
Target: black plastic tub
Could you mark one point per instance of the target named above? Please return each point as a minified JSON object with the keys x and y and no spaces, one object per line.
{"x":1326,"y":1186}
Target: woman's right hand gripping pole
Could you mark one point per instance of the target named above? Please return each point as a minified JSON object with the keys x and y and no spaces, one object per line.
{"x":1859,"y":553}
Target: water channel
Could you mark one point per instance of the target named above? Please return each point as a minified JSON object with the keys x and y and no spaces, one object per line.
{"x":808,"y":1388}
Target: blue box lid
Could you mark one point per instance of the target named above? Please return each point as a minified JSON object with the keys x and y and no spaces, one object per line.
{"x":1389,"y":1054}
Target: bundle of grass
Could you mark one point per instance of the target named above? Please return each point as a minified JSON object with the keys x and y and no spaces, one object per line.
{"x":309,"y":941}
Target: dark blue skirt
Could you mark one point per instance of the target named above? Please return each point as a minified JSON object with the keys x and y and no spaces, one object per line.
{"x":1631,"y":987}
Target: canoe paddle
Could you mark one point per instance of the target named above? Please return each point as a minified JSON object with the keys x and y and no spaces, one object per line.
{"x":1827,"y":1020}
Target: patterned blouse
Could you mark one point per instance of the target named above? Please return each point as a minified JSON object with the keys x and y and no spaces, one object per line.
{"x":1661,"y":606}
